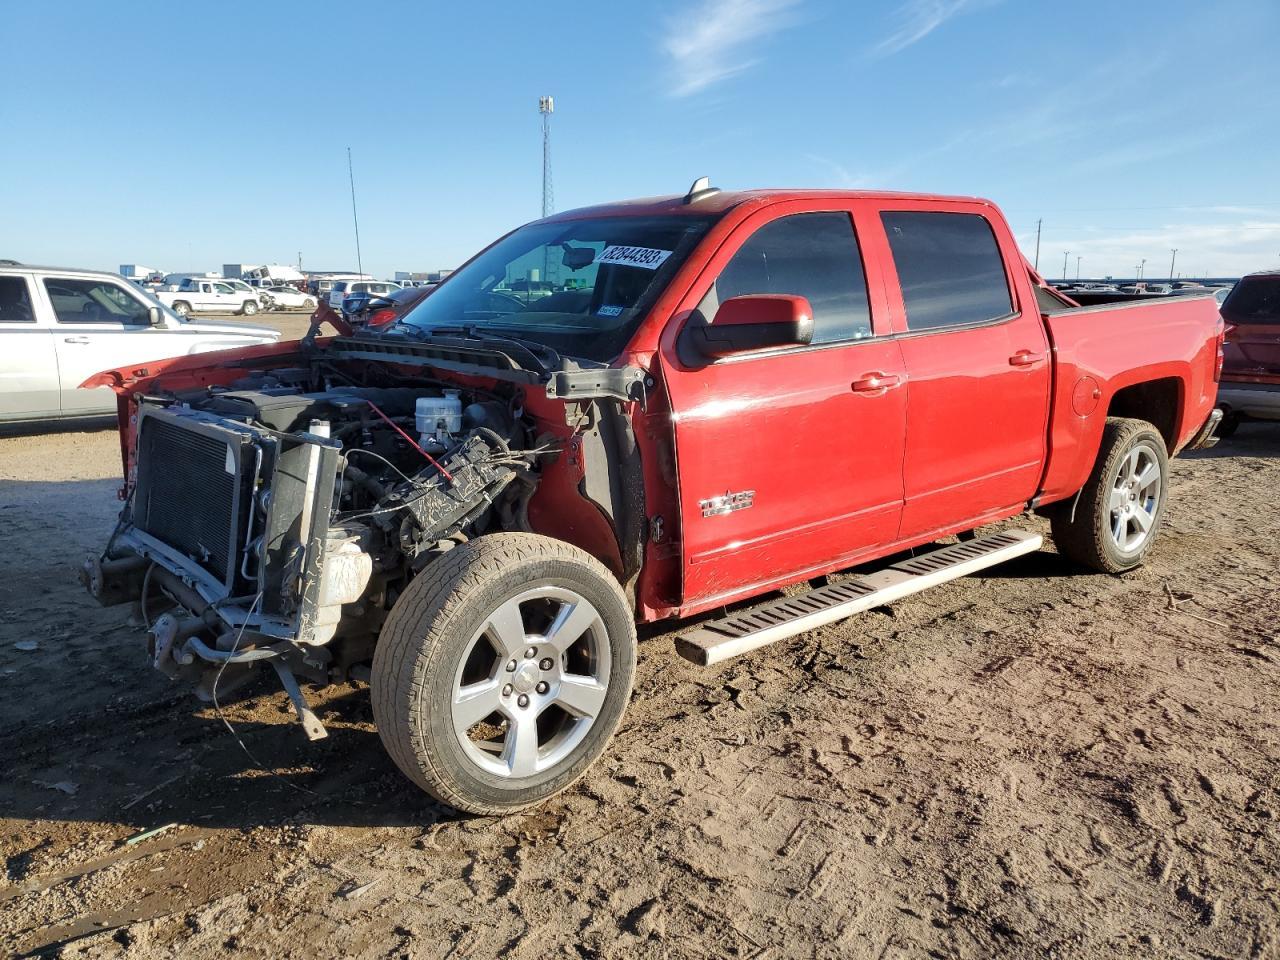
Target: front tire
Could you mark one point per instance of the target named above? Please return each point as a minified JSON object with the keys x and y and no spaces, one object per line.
{"x":1118,"y":512}
{"x":502,"y":671}
{"x":249,"y":308}
{"x":309,"y":305}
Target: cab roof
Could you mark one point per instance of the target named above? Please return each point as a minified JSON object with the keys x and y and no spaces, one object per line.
{"x":716,"y":202}
{"x":38,"y":268}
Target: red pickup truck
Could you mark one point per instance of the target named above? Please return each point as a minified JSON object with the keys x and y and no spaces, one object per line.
{"x":627,"y":413}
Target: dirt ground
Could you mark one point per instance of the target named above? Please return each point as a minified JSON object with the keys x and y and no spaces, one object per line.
{"x":1035,"y":762}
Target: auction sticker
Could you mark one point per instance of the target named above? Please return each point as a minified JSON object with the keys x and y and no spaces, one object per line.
{"x":645,"y":257}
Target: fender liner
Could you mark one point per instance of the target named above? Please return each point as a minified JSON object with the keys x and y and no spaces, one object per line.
{"x":613,"y":480}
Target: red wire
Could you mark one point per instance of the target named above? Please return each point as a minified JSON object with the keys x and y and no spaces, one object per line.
{"x":396,"y":427}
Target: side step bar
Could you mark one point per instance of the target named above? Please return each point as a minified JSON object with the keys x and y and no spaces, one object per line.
{"x":751,"y":629}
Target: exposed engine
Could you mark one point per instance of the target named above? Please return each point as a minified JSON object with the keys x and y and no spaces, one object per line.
{"x":277,"y":518}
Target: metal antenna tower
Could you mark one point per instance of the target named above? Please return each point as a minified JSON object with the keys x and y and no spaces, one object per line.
{"x":546,"y":106}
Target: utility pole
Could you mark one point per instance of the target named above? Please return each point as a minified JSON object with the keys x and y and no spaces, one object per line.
{"x":546,"y":106}
{"x":354,"y":219}
{"x":1065,"y":255}
{"x":1172,"y":261}
{"x":1037,"y":263}
{"x":1142,"y":267}
{"x":1078,"y":259}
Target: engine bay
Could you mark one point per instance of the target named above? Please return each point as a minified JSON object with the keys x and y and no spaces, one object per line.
{"x":419,"y":466}
{"x":279,"y":516}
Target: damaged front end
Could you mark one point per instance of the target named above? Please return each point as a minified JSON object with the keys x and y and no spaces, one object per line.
{"x":273,"y":516}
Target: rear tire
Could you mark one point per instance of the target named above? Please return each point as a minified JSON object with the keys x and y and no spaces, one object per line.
{"x":1119,"y":510}
{"x":443,"y":685}
{"x":182,"y":308}
{"x":249,"y":308}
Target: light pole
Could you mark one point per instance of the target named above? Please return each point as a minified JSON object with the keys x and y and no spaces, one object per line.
{"x":1065,"y":254}
{"x":1172,"y":261}
{"x":1078,"y":259}
{"x":1141,"y":267}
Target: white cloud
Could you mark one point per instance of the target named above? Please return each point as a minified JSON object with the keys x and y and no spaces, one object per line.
{"x":1224,"y":248}
{"x":709,"y":43}
{"x":919,"y":18}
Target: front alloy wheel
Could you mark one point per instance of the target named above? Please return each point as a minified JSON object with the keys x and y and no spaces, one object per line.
{"x":503,"y":670}
{"x":532,"y":682}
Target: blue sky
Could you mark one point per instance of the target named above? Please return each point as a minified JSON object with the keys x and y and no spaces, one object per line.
{"x":185,"y":136}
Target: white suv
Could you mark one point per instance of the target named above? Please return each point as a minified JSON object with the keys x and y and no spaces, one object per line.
{"x":58,"y":327}
{"x":344,"y":288}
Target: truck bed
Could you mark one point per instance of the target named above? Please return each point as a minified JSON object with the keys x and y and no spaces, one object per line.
{"x":1100,"y":350}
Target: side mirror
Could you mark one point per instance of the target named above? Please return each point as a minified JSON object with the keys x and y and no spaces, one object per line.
{"x":155,"y":317}
{"x":755,"y":322}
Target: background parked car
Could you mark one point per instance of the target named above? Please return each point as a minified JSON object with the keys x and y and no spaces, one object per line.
{"x":242,"y":287}
{"x":210,"y":296}
{"x":345,"y":288}
{"x":1251,"y":356}
{"x":367,"y":309}
{"x":285,"y":297}
{"x":58,"y":327}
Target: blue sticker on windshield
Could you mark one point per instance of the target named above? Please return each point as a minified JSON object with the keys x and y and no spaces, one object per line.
{"x":609,"y":311}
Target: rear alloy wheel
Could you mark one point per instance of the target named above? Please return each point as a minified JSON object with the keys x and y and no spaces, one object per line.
{"x":503,"y":670}
{"x":1118,"y":512}
{"x":182,"y":308}
{"x":249,"y":308}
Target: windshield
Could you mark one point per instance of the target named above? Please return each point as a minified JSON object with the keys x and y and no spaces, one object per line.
{"x":580,"y":287}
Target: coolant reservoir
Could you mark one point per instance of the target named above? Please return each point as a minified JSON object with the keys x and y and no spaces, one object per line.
{"x":439,"y":417}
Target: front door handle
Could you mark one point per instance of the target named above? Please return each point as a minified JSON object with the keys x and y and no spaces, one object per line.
{"x":1025,"y":358}
{"x":876,"y":382}
{"x":75,"y":339}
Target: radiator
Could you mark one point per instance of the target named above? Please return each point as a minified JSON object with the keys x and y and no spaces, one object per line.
{"x":191,"y":490}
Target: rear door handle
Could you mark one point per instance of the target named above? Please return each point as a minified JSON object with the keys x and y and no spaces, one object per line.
{"x":75,"y":339}
{"x":1025,"y":358}
{"x":876,"y":382}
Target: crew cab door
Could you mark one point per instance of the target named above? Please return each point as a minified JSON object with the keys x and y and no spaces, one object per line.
{"x":789,"y":461}
{"x":28,"y":363}
{"x":195,"y":293}
{"x":978,"y":364}
{"x":227,"y":297}
{"x":99,"y":325}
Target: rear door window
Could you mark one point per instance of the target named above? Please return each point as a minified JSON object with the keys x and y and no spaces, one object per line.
{"x":949,"y":268}
{"x":15,"y":301}
{"x":810,"y":255}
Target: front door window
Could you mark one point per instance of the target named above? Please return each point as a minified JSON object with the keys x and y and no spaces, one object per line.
{"x":94,"y":301}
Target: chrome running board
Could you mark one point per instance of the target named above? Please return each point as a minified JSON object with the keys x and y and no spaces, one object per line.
{"x":751,"y":629}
